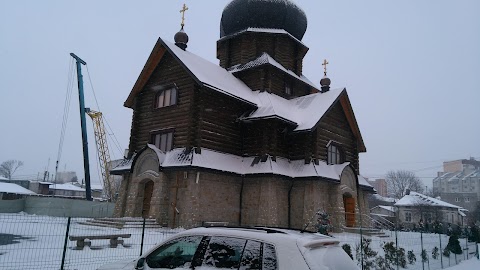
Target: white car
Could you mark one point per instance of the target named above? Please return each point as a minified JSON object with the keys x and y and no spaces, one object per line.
{"x":243,"y":248}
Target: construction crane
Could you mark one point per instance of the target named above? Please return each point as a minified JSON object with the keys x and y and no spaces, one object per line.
{"x":103,"y":153}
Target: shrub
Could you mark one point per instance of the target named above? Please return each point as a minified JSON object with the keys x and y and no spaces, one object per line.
{"x":394,"y":255}
{"x":365,"y":252}
{"x":411,"y":257}
{"x":424,"y":255}
{"x":454,"y":245}
{"x":435,"y":253}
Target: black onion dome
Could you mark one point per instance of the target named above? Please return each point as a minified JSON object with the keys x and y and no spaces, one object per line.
{"x":181,"y":37}
{"x":325,"y":81}
{"x":277,"y":14}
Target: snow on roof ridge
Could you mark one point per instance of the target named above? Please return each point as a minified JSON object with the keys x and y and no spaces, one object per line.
{"x":298,"y":110}
{"x":416,"y":198}
{"x":265,"y":58}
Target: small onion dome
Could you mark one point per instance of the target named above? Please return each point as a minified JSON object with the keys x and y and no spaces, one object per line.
{"x":181,"y":39}
{"x":325,"y":83}
{"x":240,"y":15}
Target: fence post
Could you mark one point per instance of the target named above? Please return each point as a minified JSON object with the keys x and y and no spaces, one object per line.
{"x":421,"y":244}
{"x":361,"y":246}
{"x":466,"y":245}
{"x":396,"y":247}
{"x":441,"y":250}
{"x":65,"y":244}
{"x":143,"y":236}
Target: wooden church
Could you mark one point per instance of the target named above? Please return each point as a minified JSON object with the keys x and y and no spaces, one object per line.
{"x":249,"y":141}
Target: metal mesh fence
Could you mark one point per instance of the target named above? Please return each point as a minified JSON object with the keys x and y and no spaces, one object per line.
{"x":420,"y":249}
{"x":42,"y":242}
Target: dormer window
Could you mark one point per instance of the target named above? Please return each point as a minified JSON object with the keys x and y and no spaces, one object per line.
{"x":335,"y":153}
{"x":166,"y":97}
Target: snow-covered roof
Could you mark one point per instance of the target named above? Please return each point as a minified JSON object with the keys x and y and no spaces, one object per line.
{"x":67,"y":186}
{"x":385,"y":199}
{"x":363,"y":182}
{"x":416,"y":199}
{"x":96,"y":186}
{"x":123,"y":165}
{"x":3,"y":178}
{"x":265,"y":59}
{"x":212,"y":75}
{"x":304,"y":111}
{"x":388,"y":208}
{"x":457,"y":176}
{"x":14,"y":188}
{"x":210,"y":159}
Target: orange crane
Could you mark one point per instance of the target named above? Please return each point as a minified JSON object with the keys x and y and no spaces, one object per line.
{"x":103,"y":153}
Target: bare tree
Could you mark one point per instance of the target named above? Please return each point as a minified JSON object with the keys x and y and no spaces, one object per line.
{"x":8,"y":168}
{"x":399,"y":181}
{"x":428,"y":213}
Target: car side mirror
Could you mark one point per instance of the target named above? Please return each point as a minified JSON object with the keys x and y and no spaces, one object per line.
{"x":140,"y":264}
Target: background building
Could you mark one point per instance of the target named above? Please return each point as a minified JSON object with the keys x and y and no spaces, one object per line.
{"x":459,"y":183}
{"x":380,"y":185}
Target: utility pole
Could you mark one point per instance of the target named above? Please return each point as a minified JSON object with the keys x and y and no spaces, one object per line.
{"x":86,"y":166}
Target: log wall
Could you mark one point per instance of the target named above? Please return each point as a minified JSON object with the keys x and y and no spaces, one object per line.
{"x":248,"y":46}
{"x":146,"y":118}
{"x":334,"y":126}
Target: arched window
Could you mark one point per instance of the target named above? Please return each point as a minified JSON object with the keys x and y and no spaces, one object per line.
{"x":335,"y":154}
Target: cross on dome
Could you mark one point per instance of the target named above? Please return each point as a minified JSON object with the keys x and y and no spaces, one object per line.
{"x":183,"y":10}
{"x":324,"y":64}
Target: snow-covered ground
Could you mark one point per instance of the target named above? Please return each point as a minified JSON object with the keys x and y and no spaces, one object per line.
{"x":36,"y":242}
{"x":471,"y":264}
{"x":411,"y":241}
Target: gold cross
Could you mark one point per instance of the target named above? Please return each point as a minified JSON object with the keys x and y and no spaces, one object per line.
{"x":325,"y":63}
{"x":185,"y":8}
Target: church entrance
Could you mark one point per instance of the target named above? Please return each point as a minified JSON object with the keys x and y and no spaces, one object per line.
{"x":147,"y":198}
{"x":349,"y":205}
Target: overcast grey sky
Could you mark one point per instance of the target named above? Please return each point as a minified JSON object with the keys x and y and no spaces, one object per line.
{"x":411,"y":68}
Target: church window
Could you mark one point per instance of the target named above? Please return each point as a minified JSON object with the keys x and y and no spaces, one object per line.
{"x":166,"y":97}
{"x":163,"y":140}
{"x":288,"y":88}
{"x":335,"y":155}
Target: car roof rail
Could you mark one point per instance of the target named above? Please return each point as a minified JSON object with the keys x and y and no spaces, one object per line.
{"x":257,"y":228}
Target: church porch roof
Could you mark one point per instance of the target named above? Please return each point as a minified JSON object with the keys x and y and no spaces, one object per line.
{"x":245,"y":166}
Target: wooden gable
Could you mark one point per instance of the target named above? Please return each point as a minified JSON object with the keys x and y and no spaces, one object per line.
{"x":343,"y":102}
